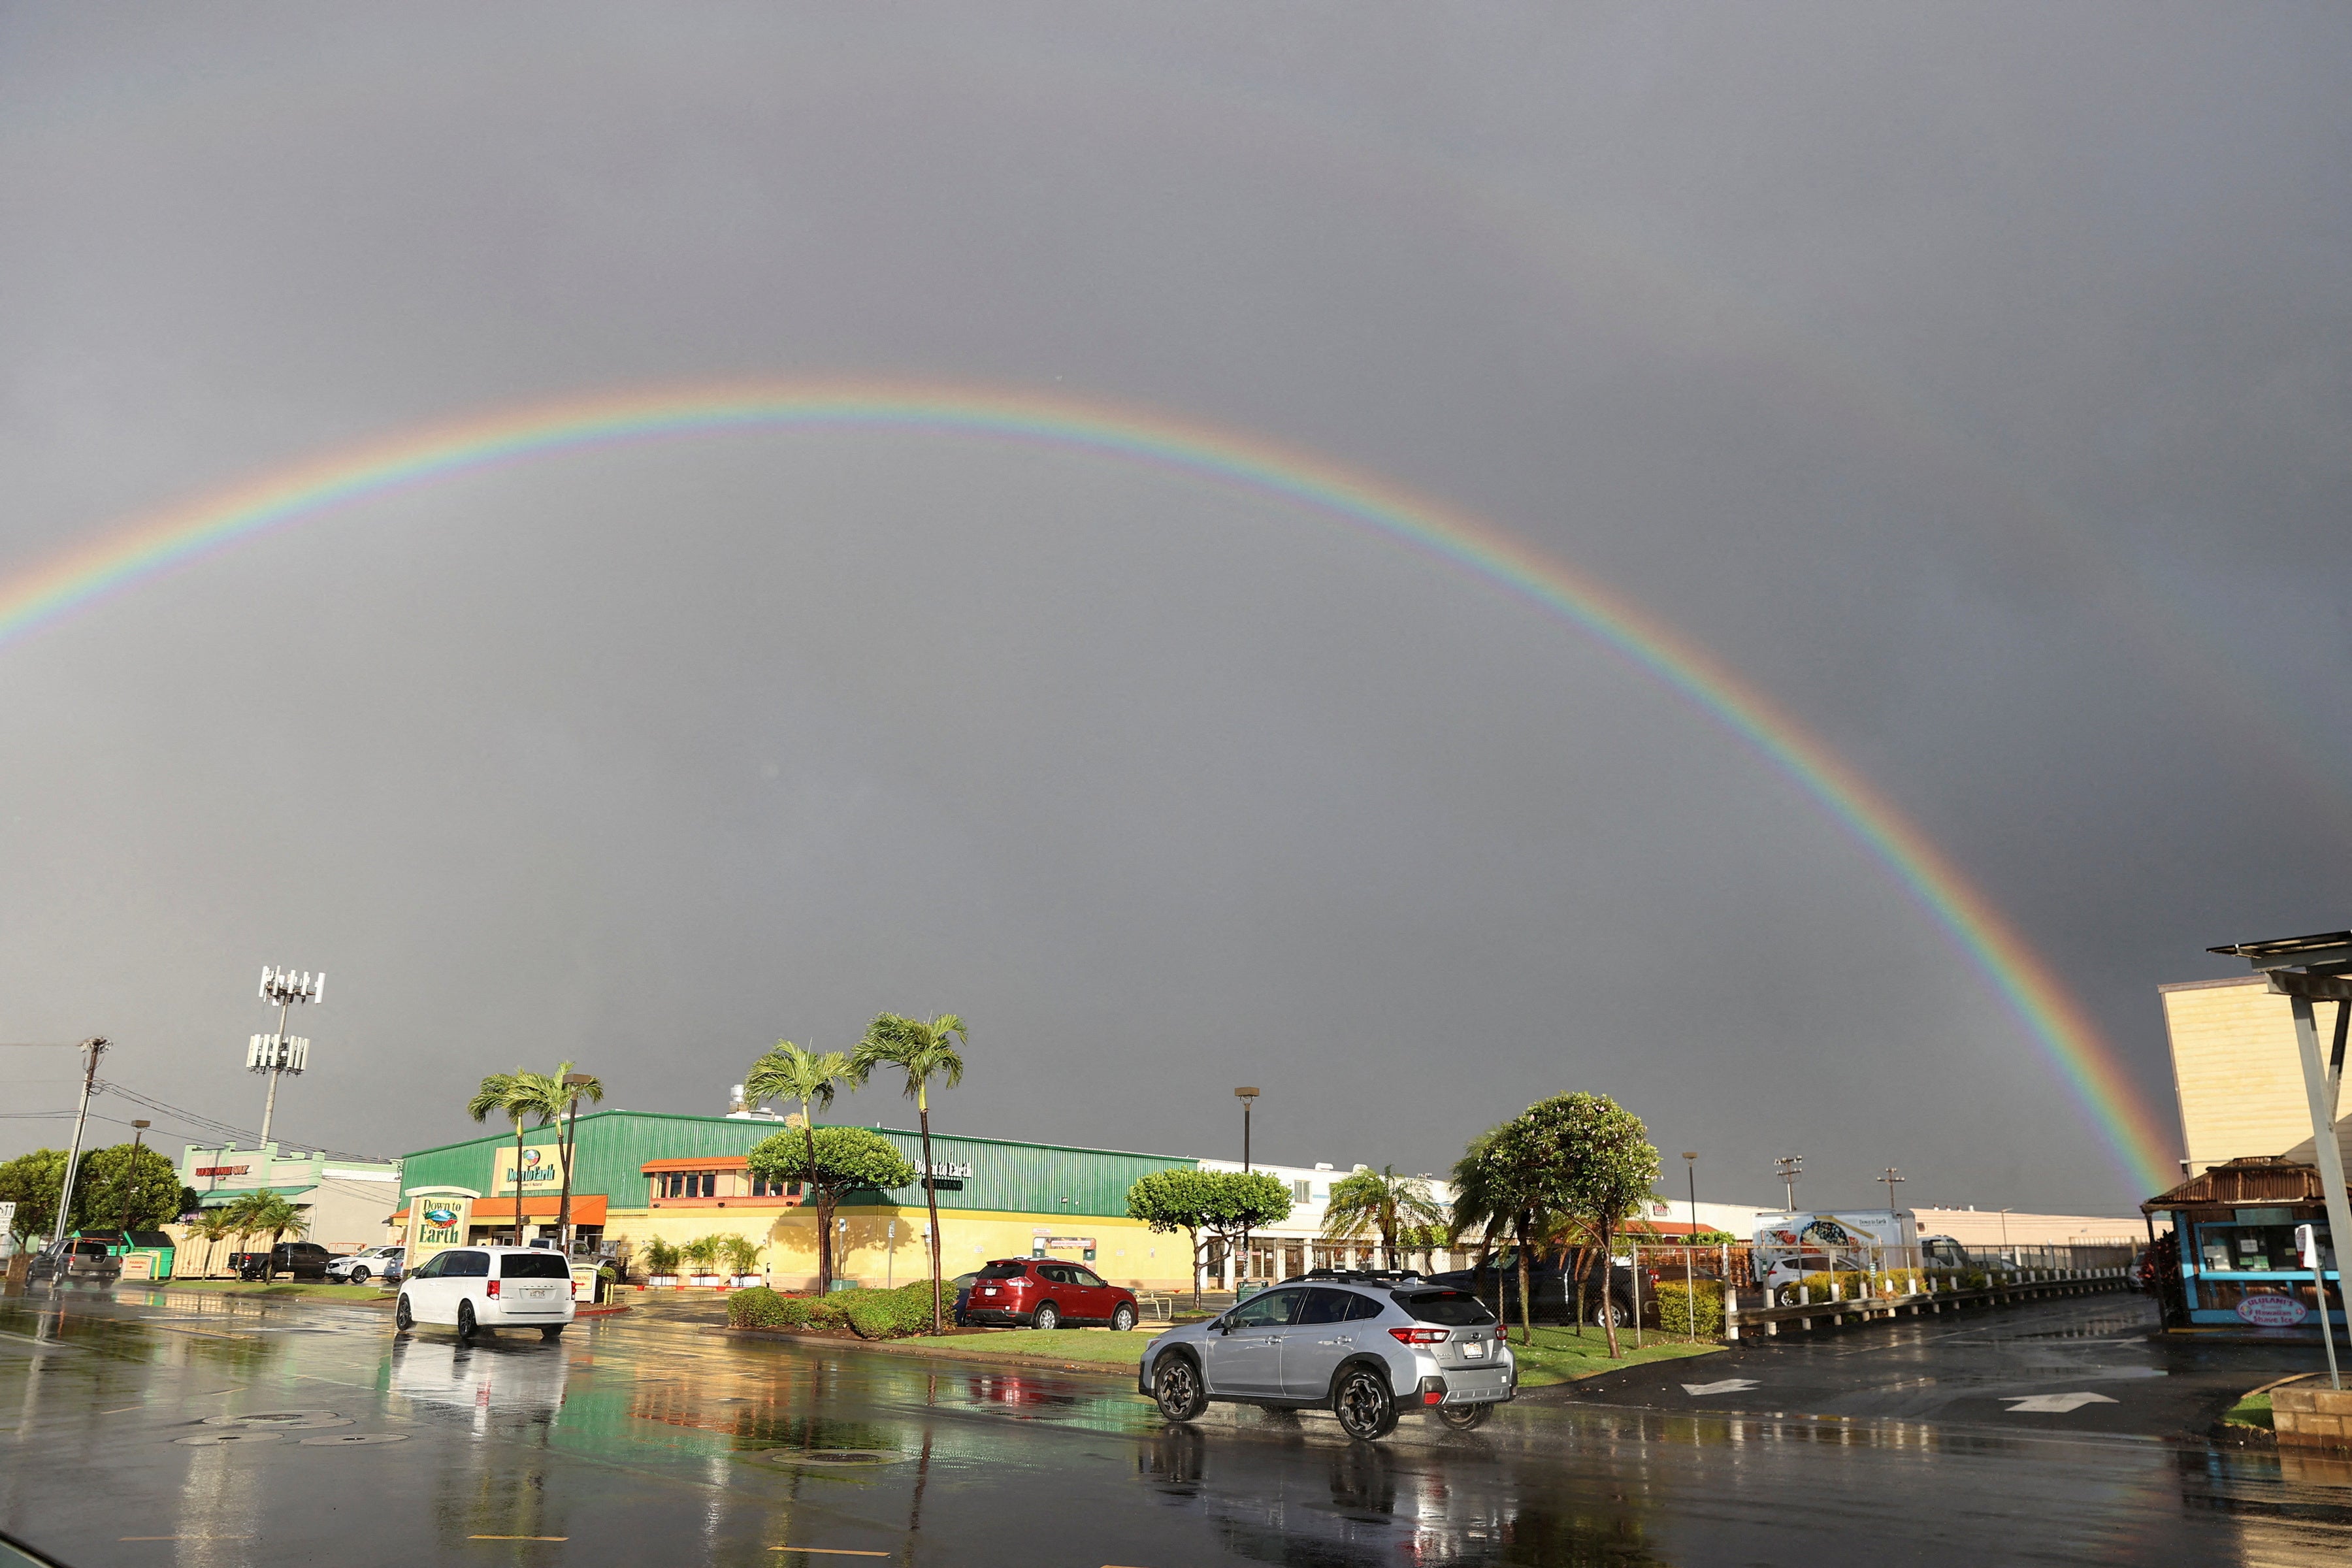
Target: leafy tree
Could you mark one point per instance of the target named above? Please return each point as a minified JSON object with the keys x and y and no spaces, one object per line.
{"x":1590,"y":1157}
{"x":921,"y":1050}
{"x":661,"y":1257}
{"x":836,"y":1162}
{"x":1240,"y":1202}
{"x":111,"y":1191}
{"x":1424,"y":1238}
{"x":1382,"y":1200}
{"x":33,"y":1183}
{"x":1174,"y":1200}
{"x":703,"y":1253}
{"x":793,"y":1072}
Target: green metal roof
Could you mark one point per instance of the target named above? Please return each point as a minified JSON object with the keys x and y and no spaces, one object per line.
{"x":1007,"y":1175}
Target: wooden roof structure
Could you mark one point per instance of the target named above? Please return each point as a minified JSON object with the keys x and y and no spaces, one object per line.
{"x":2256,"y":1180}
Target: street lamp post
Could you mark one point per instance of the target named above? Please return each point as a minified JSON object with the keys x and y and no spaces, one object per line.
{"x":281,"y":1052}
{"x":1248,"y":1097}
{"x":1690,"y":1281}
{"x":130,"y":1181}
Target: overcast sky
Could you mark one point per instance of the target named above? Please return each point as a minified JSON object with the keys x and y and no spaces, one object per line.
{"x":1975,"y":381}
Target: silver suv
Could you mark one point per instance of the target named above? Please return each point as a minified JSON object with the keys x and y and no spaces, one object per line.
{"x":1365,"y":1346}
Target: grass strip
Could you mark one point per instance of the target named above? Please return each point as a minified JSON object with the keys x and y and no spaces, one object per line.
{"x":1558,"y":1355}
{"x":1561,"y":1355}
{"x":284,"y":1289}
{"x":1065,"y":1344}
{"x":2254,"y":1410}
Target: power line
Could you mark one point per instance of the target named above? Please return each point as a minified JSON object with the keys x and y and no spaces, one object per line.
{"x":213,"y":1124}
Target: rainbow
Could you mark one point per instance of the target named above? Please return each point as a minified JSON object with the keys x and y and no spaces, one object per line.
{"x":159,"y":542}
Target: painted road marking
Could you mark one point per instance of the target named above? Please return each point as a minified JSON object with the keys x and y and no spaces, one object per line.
{"x":186,"y":1538}
{"x":2053,"y":1403}
{"x":518,"y":1538}
{"x":830,"y":1550}
{"x":1728,"y":1385}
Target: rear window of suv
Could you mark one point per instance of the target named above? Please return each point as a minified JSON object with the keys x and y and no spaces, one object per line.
{"x":534,"y":1266}
{"x":1005,"y":1271}
{"x":1455,"y":1309}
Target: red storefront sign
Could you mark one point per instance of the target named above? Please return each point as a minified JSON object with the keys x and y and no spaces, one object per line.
{"x":222,"y":1170}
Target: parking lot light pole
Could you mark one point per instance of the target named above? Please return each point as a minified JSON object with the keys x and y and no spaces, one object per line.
{"x":1690,"y":1279}
{"x":1789,"y":1167}
{"x":131,"y":1182}
{"x":1248,"y":1097}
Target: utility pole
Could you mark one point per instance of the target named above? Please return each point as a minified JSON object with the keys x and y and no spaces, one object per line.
{"x":280,"y":1052}
{"x":94,"y":1047}
{"x":1890,"y":1176}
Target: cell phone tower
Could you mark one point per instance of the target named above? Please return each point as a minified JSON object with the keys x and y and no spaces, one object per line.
{"x":281,"y":1052}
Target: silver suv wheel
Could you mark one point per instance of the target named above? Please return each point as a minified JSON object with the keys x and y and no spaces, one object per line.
{"x":1176,"y":1385}
{"x":1366,"y":1409}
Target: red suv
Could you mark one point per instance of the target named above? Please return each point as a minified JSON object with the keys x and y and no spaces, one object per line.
{"x":1047,"y":1293}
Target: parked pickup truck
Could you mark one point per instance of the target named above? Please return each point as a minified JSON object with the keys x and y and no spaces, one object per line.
{"x":297,"y":1259}
{"x":1554,"y":1290}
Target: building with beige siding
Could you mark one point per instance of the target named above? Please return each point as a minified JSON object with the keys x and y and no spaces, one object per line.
{"x":2237,"y":1072}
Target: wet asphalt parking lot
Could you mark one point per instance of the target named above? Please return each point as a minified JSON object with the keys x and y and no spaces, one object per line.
{"x":156,"y":1427}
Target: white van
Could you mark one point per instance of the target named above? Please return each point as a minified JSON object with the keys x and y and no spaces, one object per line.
{"x":477,"y":1287}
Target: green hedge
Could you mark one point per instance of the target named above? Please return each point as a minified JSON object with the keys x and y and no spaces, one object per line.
{"x":1896,"y":1282}
{"x":1674,"y":1307}
{"x":873,"y":1314}
{"x":893,"y":1314}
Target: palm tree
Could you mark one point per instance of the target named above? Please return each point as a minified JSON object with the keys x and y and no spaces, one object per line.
{"x":791,"y":1072}
{"x":1495,"y":1196}
{"x":215,"y":1226}
{"x":549,"y":1099}
{"x":1383,"y":1200}
{"x":265,"y":1211}
{"x":922,"y":1051}
{"x":497,"y":1093}
{"x":577,"y":1086}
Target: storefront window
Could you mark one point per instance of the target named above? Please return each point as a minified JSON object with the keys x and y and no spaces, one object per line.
{"x":2259,"y":1245}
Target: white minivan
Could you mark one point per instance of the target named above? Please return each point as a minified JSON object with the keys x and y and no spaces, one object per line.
{"x":489,"y":1288}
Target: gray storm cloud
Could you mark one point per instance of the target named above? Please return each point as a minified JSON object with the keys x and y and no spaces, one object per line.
{"x":1973,"y":383}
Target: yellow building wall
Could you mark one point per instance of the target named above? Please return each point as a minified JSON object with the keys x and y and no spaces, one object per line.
{"x":2237,"y":1071}
{"x":1126,"y":1253}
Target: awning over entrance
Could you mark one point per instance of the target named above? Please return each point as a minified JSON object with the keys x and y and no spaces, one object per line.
{"x":221,"y":1200}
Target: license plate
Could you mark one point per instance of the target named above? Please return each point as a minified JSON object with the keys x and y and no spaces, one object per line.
{"x":541,"y":1291}
{"x":1475,"y":1350}
{"x":990,"y":1292}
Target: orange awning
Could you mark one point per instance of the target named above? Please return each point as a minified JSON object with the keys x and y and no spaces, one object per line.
{"x":698,"y":1163}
